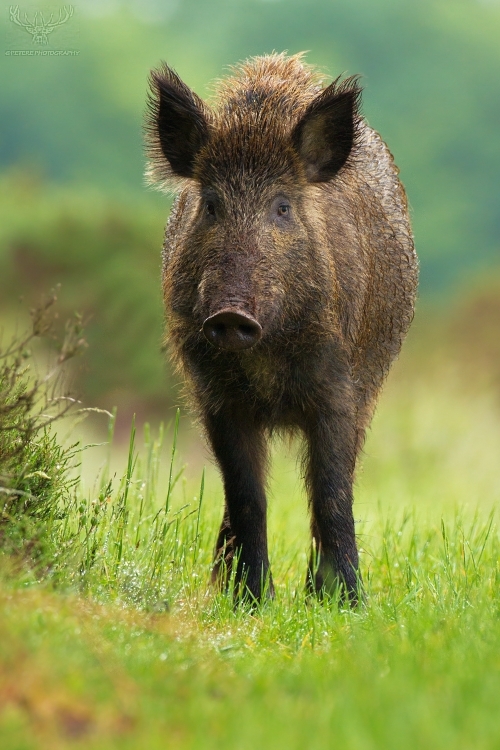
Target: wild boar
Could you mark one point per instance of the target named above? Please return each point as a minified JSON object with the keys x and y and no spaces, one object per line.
{"x":289,"y":280}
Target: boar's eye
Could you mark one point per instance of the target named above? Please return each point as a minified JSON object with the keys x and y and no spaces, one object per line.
{"x":283,"y":210}
{"x":210,"y":208}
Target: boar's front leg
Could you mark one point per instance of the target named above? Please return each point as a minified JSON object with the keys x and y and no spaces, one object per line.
{"x":240,"y":450}
{"x":330,"y":468}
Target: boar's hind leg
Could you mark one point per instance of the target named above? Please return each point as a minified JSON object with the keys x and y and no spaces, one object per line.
{"x":330,"y":467}
{"x":240,"y":450}
{"x":224,"y":551}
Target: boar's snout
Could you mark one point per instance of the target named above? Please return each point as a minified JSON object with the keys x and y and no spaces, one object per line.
{"x":232,"y":329}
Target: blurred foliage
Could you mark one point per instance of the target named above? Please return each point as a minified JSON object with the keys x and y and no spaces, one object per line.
{"x":430,"y":71}
{"x":74,"y":208}
{"x":474,"y":333}
{"x":106,"y":253}
{"x":461,"y":339}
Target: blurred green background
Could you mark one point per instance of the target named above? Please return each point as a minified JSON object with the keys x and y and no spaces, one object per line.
{"x":75,"y":211}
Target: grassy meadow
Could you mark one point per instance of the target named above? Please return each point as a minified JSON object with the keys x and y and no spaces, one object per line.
{"x":112,"y":637}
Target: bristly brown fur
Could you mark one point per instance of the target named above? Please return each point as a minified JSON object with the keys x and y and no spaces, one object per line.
{"x":264,"y":95}
{"x":291,"y":219}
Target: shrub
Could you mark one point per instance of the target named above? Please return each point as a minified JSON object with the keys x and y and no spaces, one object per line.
{"x":35,"y":482}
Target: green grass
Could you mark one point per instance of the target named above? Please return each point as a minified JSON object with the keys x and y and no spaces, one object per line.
{"x":120,"y":642}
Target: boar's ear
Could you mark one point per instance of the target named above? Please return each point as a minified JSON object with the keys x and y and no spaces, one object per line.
{"x":326,"y":133}
{"x":176,"y":126}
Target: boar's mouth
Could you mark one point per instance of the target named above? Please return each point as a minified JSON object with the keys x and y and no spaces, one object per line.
{"x":232,"y":329}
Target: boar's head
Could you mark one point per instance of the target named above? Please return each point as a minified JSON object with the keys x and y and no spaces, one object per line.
{"x":249,"y":262}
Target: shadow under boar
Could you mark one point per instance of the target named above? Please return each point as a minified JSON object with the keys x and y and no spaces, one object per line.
{"x":289,"y":280}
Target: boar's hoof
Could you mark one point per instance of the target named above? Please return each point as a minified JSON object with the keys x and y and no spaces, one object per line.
{"x":232,"y":330}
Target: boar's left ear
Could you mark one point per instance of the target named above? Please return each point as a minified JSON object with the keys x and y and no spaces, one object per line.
{"x":326,"y":133}
{"x":176,"y":126}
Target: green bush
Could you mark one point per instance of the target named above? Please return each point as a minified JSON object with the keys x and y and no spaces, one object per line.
{"x":35,"y":482}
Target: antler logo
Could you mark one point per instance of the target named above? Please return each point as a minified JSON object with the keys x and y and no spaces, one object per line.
{"x":39,"y":28}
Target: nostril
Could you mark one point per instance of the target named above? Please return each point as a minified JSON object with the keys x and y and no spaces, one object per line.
{"x":232,"y":330}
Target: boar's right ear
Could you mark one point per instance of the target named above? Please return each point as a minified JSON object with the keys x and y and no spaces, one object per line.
{"x":325,"y":135}
{"x":176,"y":126}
